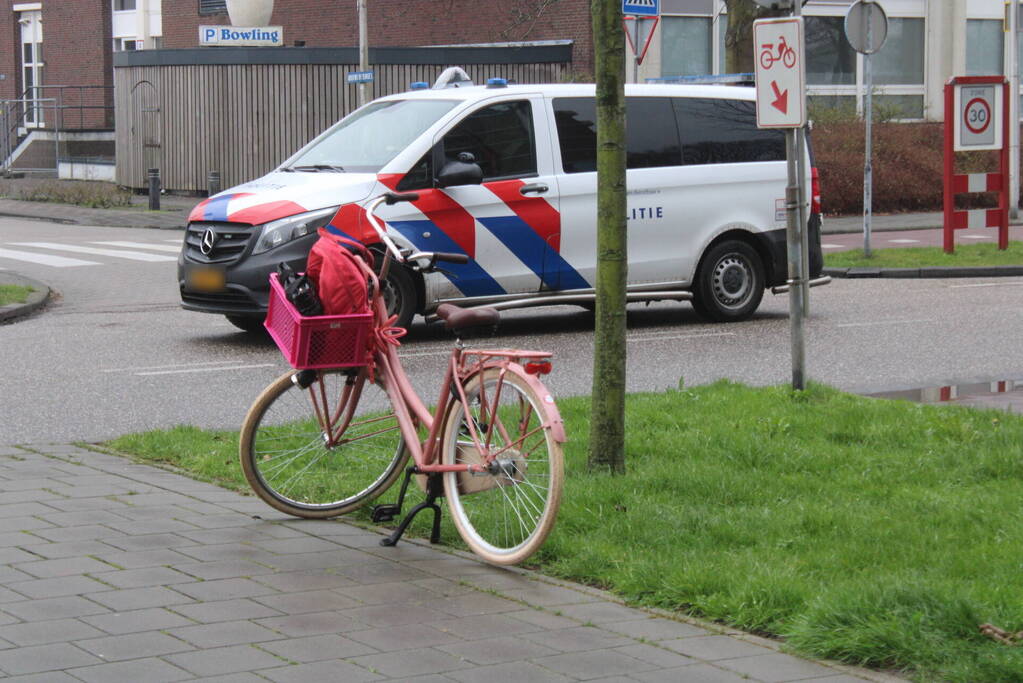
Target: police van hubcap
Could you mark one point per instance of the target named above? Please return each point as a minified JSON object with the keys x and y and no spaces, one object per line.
{"x":731,"y":280}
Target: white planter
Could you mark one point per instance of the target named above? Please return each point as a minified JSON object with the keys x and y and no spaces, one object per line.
{"x":250,"y":12}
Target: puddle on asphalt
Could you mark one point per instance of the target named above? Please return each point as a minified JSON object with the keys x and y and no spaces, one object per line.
{"x":960,"y":393}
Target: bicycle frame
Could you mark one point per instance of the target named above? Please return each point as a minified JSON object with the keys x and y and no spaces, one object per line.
{"x":409,"y":409}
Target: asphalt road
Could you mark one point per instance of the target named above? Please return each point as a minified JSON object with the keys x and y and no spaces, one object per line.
{"x":114,"y":353}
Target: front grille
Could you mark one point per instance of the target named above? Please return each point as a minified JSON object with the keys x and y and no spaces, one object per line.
{"x":231,"y":240}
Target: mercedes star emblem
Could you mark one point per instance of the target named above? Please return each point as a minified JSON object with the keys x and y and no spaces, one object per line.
{"x":209,"y":238}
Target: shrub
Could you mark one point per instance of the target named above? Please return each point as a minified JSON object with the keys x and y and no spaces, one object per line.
{"x":96,"y":195}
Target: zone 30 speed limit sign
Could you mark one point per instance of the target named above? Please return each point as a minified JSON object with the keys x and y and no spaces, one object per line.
{"x":978,"y":111}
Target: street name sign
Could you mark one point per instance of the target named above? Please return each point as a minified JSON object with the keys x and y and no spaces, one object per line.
{"x":780,"y":72}
{"x":360,"y":77}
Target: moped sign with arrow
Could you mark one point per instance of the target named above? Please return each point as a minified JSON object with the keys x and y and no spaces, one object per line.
{"x":780,"y":72}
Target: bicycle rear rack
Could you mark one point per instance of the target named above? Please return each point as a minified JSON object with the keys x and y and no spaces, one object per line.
{"x":387,"y":512}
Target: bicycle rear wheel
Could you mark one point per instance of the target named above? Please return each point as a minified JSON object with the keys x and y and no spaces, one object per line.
{"x":299,"y":465}
{"x":504,"y":514}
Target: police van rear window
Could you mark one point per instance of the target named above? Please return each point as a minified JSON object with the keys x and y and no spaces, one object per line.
{"x":666,"y":131}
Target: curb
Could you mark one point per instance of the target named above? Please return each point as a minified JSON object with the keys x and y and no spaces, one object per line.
{"x":927,"y":272}
{"x":36,"y":299}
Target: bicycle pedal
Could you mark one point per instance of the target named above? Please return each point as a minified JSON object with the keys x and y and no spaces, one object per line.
{"x":385,"y":512}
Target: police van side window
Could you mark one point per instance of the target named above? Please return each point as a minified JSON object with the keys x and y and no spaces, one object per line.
{"x":420,"y":177}
{"x":724,"y":131}
{"x":652,"y":138}
{"x":500,"y":138}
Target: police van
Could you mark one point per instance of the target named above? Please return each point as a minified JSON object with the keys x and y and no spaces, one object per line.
{"x":506,"y":174}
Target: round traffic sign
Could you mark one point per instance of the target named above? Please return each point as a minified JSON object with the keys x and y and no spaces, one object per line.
{"x":866,"y":26}
{"x":977,"y":115}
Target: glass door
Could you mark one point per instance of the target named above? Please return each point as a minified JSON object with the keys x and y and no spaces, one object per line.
{"x":32,"y":65}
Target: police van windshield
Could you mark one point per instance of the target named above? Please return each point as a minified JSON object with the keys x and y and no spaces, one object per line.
{"x":369,"y":138}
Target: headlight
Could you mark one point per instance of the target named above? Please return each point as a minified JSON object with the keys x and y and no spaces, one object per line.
{"x":276,"y":233}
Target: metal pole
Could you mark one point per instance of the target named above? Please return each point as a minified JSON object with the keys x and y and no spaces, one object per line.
{"x":212,"y":183}
{"x":1014,"y":109}
{"x":803,"y":219}
{"x":795,"y":238}
{"x":868,"y":114}
{"x":154,"y":189}
{"x":636,"y":48}
{"x":363,"y":51}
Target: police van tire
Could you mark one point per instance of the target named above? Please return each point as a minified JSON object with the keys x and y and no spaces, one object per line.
{"x":729,"y":283}
{"x":400,"y":295}
{"x":249,"y":323}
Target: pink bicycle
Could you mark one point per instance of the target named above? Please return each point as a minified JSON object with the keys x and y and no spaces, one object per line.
{"x":334,"y":433}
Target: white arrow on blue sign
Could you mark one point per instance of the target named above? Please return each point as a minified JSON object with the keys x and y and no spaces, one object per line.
{"x":641,"y":8}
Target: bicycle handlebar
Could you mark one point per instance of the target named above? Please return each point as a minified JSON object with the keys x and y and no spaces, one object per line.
{"x":394,"y":197}
{"x":391,"y":198}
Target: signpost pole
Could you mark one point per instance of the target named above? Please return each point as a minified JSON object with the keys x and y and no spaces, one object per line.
{"x":868,"y":177}
{"x":797,"y":243}
{"x":1014,"y":109}
{"x":363,"y":52}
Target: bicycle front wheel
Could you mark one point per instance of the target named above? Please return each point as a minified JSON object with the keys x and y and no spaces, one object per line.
{"x":321,"y":447}
{"x":505,"y":513}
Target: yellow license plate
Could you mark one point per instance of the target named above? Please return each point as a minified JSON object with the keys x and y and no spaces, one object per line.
{"x":205,"y":279}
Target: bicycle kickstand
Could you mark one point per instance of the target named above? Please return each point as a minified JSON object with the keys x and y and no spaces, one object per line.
{"x":387,"y":512}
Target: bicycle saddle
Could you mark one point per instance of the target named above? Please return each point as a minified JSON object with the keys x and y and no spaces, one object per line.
{"x":457,"y":319}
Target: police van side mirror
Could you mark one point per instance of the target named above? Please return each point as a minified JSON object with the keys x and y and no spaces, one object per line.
{"x":462,"y":171}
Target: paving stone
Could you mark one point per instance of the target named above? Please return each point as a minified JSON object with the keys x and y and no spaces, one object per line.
{"x":148,"y":542}
{"x":308,"y":601}
{"x":223,"y":569}
{"x":411,"y":663}
{"x":48,"y":677}
{"x":317,"y":623}
{"x":409,"y":637}
{"x":473,"y":605}
{"x":139,"y":598}
{"x":775,"y":667}
{"x":56,"y":551}
{"x":577,"y":639}
{"x":225,"y":633}
{"x":548,"y":596}
{"x":138,"y":621}
{"x":67,"y":566}
{"x":483,"y":626}
{"x":543,"y":619}
{"x":297,"y":546}
{"x":52,"y":657}
{"x":83,"y":517}
{"x":655,"y":629}
{"x":11,"y":575}
{"x":497,"y":650}
{"x":223,"y":589}
{"x":698,"y":673}
{"x":58,"y":587}
{"x":224,"y":551}
{"x":51,"y":631}
{"x":150,"y":670}
{"x":393,"y":615}
{"x":54,"y":608}
{"x":158,"y":526}
{"x":658,"y":656}
{"x":342,"y":559}
{"x":594,"y":664}
{"x":23,"y":524}
{"x":381,"y":572}
{"x":88,"y":532}
{"x":307,"y":580}
{"x":226,"y":610}
{"x":599,"y":612}
{"x":321,"y":671}
{"x":7,"y":596}
{"x":20,"y":538}
{"x":711,"y":648}
{"x":224,"y":660}
{"x":14,"y":556}
{"x":317,"y":648}
{"x":141,"y":578}
{"x":133,"y":646}
{"x":512,"y":672}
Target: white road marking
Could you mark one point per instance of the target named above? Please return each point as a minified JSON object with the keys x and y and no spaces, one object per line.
{"x":904,"y":241}
{"x":988,"y":284}
{"x":194,"y":370}
{"x":832,"y":246}
{"x":676,"y":335}
{"x":117,"y":253}
{"x":44,"y":259}
{"x":977,"y":237}
{"x":142,"y":245}
{"x":883,"y":322}
{"x":173,"y":365}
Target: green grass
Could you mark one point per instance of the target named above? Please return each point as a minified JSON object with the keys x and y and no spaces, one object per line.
{"x":14,"y":294}
{"x":878,"y":533}
{"x":919,"y":257}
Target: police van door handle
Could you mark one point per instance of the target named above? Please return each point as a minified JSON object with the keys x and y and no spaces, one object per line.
{"x":538,"y":188}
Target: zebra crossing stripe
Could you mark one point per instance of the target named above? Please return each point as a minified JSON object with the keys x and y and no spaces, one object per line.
{"x":44,"y":259}
{"x":143,"y":245}
{"x":117,"y":253}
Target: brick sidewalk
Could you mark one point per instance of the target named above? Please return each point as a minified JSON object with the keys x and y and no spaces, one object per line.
{"x":117,"y":571}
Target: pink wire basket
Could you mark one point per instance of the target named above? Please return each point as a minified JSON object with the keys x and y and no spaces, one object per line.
{"x":323,"y":341}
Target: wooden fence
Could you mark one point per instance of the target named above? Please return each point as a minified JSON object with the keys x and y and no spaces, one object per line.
{"x":241,"y":111}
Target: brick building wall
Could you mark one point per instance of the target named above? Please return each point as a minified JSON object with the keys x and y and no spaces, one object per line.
{"x":330,"y":23}
{"x":76,"y":50}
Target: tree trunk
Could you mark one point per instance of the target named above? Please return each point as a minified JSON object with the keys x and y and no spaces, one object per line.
{"x":607,"y":417}
{"x":739,"y":34}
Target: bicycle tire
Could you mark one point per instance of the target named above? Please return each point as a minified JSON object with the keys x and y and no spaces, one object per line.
{"x":514,"y":510}
{"x":284,"y":454}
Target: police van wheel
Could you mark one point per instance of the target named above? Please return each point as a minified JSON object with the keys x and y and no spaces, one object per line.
{"x":730,"y":282}
{"x":249,"y":323}
{"x":400,"y":295}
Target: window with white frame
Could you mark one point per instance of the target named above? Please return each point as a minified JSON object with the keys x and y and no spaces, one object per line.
{"x":984,"y":47}
{"x":686,"y":46}
{"x":123,"y":5}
